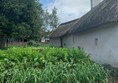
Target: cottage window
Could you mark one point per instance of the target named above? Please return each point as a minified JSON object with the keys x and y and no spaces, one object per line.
{"x":96,"y":41}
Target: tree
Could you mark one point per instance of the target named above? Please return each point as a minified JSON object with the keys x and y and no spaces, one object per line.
{"x":54,"y":19}
{"x":50,"y":21}
{"x":46,"y":20}
{"x":20,"y":19}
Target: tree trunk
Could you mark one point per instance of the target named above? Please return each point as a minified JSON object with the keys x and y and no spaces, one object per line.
{"x":2,"y":42}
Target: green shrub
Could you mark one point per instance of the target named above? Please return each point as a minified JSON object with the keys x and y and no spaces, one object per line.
{"x":32,"y":43}
{"x":49,"y":65}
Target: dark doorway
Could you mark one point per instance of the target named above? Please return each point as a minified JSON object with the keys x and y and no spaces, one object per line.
{"x":61,"y":40}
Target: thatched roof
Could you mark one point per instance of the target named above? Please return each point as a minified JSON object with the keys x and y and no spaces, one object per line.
{"x":63,"y":28}
{"x":105,"y":12}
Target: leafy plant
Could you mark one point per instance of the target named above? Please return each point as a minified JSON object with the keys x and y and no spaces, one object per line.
{"x":49,"y":65}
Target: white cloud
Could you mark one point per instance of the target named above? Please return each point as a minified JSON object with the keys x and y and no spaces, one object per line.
{"x":69,"y":9}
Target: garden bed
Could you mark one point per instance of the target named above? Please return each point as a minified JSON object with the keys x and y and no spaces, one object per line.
{"x":49,"y":65}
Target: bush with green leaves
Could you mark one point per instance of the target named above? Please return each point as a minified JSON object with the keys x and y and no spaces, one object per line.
{"x":32,"y":43}
{"x":49,"y":65}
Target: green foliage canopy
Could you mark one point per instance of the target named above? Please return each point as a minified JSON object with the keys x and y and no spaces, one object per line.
{"x":20,"y":18}
{"x":50,"y":20}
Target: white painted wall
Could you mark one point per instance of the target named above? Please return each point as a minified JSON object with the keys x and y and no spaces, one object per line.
{"x":68,"y":41}
{"x":55,"y":42}
{"x":106,"y":50}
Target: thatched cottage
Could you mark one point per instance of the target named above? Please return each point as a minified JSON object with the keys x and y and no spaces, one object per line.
{"x":96,"y":32}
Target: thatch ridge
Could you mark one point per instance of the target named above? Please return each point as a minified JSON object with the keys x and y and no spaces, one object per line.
{"x":63,"y":28}
{"x":105,"y":12}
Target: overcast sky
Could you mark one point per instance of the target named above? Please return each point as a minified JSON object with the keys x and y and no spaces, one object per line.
{"x":67,"y":9}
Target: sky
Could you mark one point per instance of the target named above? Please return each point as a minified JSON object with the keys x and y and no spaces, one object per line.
{"x":67,"y":9}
